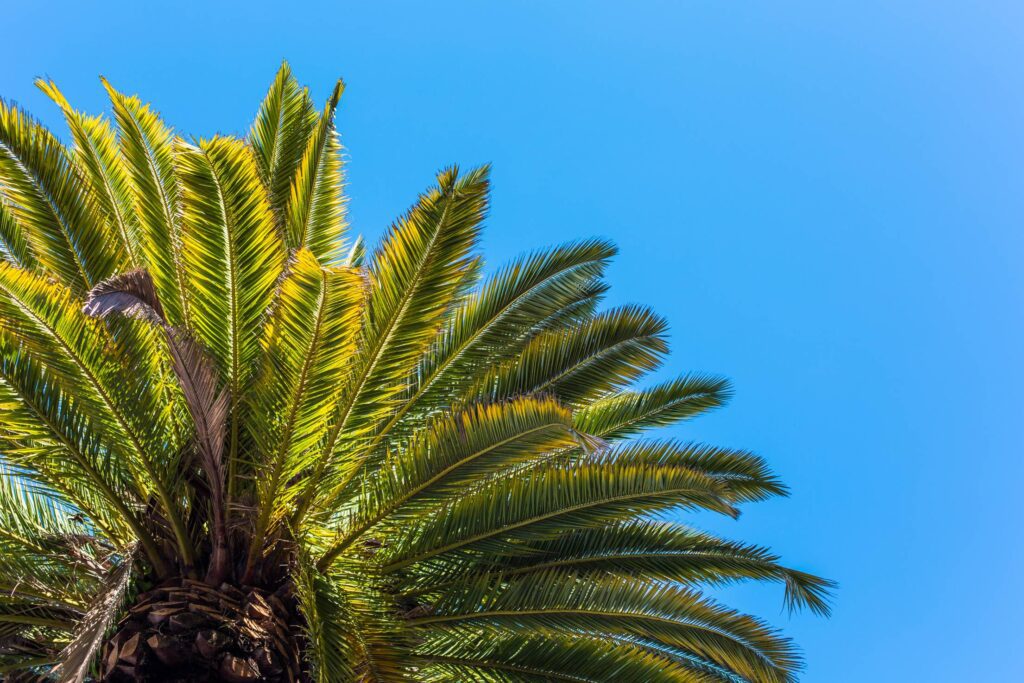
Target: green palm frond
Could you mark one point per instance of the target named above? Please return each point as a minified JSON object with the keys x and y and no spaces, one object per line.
{"x":659,"y":613}
{"x":14,"y":242}
{"x":233,"y":258}
{"x":329,"y":627}
{"x":309,"y":349}
{"x":46,"y":325}
{"x":548,"y":499}
{"x":236,"y":446}
{"x":41,"y":189}
{"x":146,"y":146}
{"x":659,"y":550}
{"x":279,"y":135}
{"x":583,"y":362}
{"x":316,"y":206}
{"x":414,"y":275}
{"x":354,"y":638}
{"x":453,"y":451}
{"x":495,"y":323}
{"x":96,"y":152}
{"x":50,"y":445}
{"x":479,"y":655}
{"x":232,"y":255}
{"x":627,"y":413}
{"x":39,"y":532}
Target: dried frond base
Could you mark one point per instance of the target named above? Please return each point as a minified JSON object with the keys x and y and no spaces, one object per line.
{"x":185,"y":630}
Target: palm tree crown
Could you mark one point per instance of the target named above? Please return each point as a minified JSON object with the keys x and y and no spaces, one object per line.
{"x":236,"y":446}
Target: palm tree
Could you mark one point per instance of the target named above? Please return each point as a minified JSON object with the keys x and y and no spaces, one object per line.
{"x":235,"y":446}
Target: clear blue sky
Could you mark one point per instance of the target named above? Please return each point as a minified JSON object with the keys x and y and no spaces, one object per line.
{"x":825,"y":199}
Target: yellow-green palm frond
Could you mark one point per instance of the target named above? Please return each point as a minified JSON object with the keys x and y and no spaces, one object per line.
{"x":233,"y":257}
{"x":96,"y":152}
{"x":14,"y":242}
{"x":42,"y":191}
{"x":309,"y":348}
{"x":415,"y":276}
{"x":315,"y":217}
{"x":627,"y":413}
{"x":583,"y":362}
{"x":279,"y":135}
{"x":498,"y":320}
{"x":352,"y":629}
{"x":147,"y":152}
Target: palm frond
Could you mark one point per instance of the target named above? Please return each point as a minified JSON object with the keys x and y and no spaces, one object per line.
{"x":309,"y":348}
{"x":744,"y":476}
{"x":39,"y":533}
{"x":496,"y":321}
{"x":47,"y":324}
{"x":76,"y":659}
{"x":332,"y":652}
{"x":232,"y":255}
{"x":41,"y":188}
{"x":14,"y":243}
{"x":146,"y":147}
{"x":663,"y":551}
{"x":581,"y":363}
{"x":664,"y":614}
{"x":454,"y":450}
{"x":48,"y":444}
{"x":96,"y":152}
{"x":279,"y":134}
{"x":315,"y":217}
{"x":481,"y":655}
{"x":209,"y":406}
{"x":415,"y":276}
{"x":545,"y":500}
{"x":354,"y":636}
{"x":628,"y":413}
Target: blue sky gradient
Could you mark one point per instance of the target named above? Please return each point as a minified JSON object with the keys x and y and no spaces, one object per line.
{"x":824,"y":198}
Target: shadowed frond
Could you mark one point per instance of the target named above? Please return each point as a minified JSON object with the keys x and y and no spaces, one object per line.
{"x":75,"y":660}
{"x":354,"y":636}
{"x":49,"y":444}
{"x":645,"y":548}
{"x":662,"y":614}
{"x":47,"y":326}
{"x":547,"y":499}
{"x":453,"y":451}
{"x":14,"y":243}
{"x":481,"y":655}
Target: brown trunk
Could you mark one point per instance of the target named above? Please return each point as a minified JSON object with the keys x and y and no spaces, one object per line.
{"x":185,"y":630}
